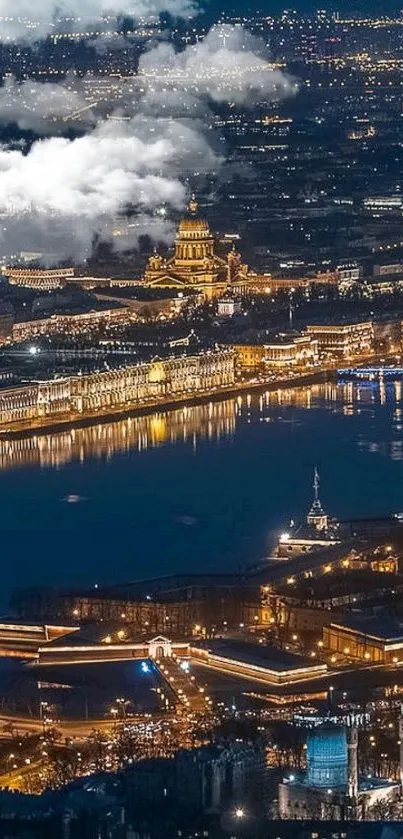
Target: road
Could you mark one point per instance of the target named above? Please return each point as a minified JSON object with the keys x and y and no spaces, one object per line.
{"x":19,"y":779}
{"x":79,"y":729}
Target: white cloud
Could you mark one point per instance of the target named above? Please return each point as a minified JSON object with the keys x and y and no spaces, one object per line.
{"x":24,"y":20}
{"x":66,"y":192}
{"x":229,"y":64}
{"x":36,"y":106}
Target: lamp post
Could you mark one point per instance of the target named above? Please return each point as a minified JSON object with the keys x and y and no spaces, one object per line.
{"x":239,"y":819}
{"x":122,"y":704}
{"x":43,"y":708}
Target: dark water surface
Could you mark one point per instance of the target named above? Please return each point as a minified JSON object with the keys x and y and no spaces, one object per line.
{"x":200,"y":488}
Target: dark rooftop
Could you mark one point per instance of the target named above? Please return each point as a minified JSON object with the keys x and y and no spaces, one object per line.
{"x":167,"y":586}
{"x":259,"y":655}
{"x":381,"y":626}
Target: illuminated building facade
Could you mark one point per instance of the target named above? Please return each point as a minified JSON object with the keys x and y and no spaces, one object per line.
{"x":269,"y":284}
{"x":127,"y":387}
{"x":289,"y":353}
{"x":228,"y":306}
{"x":317,"y":533}
{"x":76,"y":645}
{"x":281,"y":354}
{"x":239,"y":660}
{"x":45,"y":279}
{"x":392,"y":269}
{"x":290,"y":546}
{"x":383,"y":204}
{"x":246,"y":283}
{"x":24,"y":640}
{"x":6,"y":326}
{"x":250,"y":356}
{"x":69,"y":324}
{"x":244,"y":660}
{"x":187,"y":605}
{"x":370,"y":640}
{"x":344,"y":340}
{"x":195,"y":263}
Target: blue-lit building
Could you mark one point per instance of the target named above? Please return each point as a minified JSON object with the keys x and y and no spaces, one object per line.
{"x":327,"y":757}
{"x":331,"y":787}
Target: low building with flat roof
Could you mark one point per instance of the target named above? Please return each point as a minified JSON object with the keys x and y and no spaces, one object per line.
{"x":100,"y":642}
{"x":240,"y":659}
{"x":23,"y":638}
{"x":255,"y":662}
{"x":371,"y":639}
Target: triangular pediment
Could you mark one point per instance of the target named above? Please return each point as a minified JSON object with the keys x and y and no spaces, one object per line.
{"x":167,"y":280}
{"x":159,"y":639}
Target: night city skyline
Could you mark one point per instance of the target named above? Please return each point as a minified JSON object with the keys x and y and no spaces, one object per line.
{"x":201,"y":417}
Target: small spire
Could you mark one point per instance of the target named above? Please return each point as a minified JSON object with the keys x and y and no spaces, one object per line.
{"x":193,"y":205}
{"x":317,"y":516}
{"x":316,"y":482}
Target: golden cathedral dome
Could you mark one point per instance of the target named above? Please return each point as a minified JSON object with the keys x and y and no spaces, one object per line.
{"x":192,"y":226}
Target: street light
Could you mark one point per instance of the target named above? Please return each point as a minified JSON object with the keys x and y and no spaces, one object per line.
{"x":239,"y":812}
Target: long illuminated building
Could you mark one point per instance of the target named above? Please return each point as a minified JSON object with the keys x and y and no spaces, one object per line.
{"x":70,"y":324}
{"x":134,"y":386}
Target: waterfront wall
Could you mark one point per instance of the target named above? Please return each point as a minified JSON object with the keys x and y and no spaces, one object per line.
{"x":126,"y":387}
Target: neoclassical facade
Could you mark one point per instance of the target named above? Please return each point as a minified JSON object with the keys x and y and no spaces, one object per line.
{"x":195,"y":263}
{"x":111,"y":390}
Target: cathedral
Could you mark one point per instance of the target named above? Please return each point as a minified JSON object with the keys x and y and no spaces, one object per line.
{"x":195,"y":264}
{"x":331,"y":788}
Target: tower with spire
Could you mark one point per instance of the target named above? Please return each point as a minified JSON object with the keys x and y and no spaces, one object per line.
{"x":317,"y":517}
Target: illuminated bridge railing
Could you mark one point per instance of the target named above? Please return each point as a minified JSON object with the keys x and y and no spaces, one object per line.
{"x":369,"y":372}
{"x":183,"y":684}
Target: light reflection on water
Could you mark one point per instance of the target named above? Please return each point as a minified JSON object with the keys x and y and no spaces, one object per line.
{"x":205,"y":487}
{"x":191,"y":424}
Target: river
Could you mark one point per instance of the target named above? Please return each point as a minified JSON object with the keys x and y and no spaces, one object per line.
{"x":198,"y":488}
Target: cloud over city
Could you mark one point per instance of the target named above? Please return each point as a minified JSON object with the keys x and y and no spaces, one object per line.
{"x":228,"y":65}
{"x":43,"y":108}
{"x":64,"y":195}
{"x":84,"y":185}
{"x":22,"y":20}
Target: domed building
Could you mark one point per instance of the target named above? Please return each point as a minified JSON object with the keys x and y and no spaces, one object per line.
{"x":331,"y":788}
{"x":327,"y":758}
{"x":195,"y":263}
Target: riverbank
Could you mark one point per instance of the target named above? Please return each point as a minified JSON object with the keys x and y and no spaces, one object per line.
{"x":29,"y":428}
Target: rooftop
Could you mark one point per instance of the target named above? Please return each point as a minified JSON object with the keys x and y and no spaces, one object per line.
{"x":177,"y":585}
{"x":270,"y":658}
{"x":382,"y":627}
